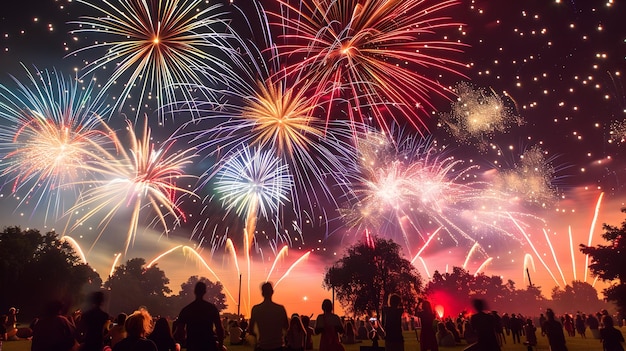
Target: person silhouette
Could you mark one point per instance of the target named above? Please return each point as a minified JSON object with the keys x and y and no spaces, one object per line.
{"x":554,"y":331}
{"x":484,"y":325}
{"x":428,"y":338}
{"x":329,"y":325}
{"x":53,"y":331}
{"x":92,"y":322}
{"x":200,"y":322}
{"x":393,"y":323}
{"x":270,"y":320}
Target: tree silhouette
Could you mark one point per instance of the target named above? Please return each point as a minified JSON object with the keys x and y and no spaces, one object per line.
{"x":133,"y":285}
{"x":369,"y":271}
{"x":608,"y":262}
{"x":580,"y":296}
{"x":36,"y":268}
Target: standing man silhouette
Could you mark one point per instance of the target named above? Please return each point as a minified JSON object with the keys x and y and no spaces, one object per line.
{"x":201,"y":321}
{"x":271,"y":321}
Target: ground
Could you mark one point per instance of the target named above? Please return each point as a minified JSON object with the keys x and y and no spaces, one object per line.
{"x":573,"y":343}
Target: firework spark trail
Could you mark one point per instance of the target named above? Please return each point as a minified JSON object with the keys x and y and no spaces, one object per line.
{"x":469,"y":254}
{"x":483,"y":265}
{"x":302,"y":258}
{"x":558,"y":266}
{"x":431,"y":237}
{"x":571,"y":248}
{"x":54,"y":123}
{"x":195,"y":254}
{"x":157,"y":46}
{"x":281,"y":254}
{"x":161,"y":255}
{"x":425,"y":267}
{"x":593,"y":225}
{"x":372,"y":49}
{"x":230,"y":247}
{"x":144,"y":177}
{"x":532,"y":246}
{"x":114,"y":264}
{"x":75,"y":247}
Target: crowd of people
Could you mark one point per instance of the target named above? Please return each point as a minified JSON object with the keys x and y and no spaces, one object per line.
{"x":200,"y":327}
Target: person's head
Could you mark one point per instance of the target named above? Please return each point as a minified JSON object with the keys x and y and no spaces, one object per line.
{"x":120,"y":319}
{"x":306,"y":321}
{"x":12,"y":310}
{"x":295,"y":322}
{"x":394,"y":300}
{"x":479,"y":305}
{"x":426,"y":306}
{"x":96,"y":298}
{"x":138,"y":324}
{"x":53,"y":308}
{"x":529,"y":322}
{"x":162,"y":327}
{"x":267,"y":290}
{"x":441,"y":327}
{"x":327,"y":306}
{"x":199,"y":290}
{"x":607,"y":321}
{"x":550,"y":314}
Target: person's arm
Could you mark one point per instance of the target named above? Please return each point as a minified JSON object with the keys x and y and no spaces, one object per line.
{"x":219,"y":329}
{"x":285,"y":321}
{"x":252,"y":323}
{"x":319,"y":324}
{"x":339,"y":326}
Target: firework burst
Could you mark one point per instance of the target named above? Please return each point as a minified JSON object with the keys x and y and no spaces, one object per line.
{"x":253,"y":182}
{"x":478,"y":114}
{"x":161,"y":46}
{"x":374,"y":54}
{"x":54,"y":123}
{"x":531,"y":180}
{"x":144,"y":177}
{"x":261,"y":110}
{"x":410,"y":187}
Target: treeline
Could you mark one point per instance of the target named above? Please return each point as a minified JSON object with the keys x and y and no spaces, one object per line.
{"x":36,"y":268}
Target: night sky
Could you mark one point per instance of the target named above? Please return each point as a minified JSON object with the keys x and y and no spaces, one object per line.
{"x":557,"y":65}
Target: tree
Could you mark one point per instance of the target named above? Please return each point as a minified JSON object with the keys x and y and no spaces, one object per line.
{"x":365,"y":276}
{"x":608,"y":262}
{"x":214,"y":293}
{"x":580,"y":296}
{"x":31,"y":263}
{"x":133,"y":285}
{"x":450,"y":290}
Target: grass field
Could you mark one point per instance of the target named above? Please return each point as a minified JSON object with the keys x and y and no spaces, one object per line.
{"x":411,"y":344}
